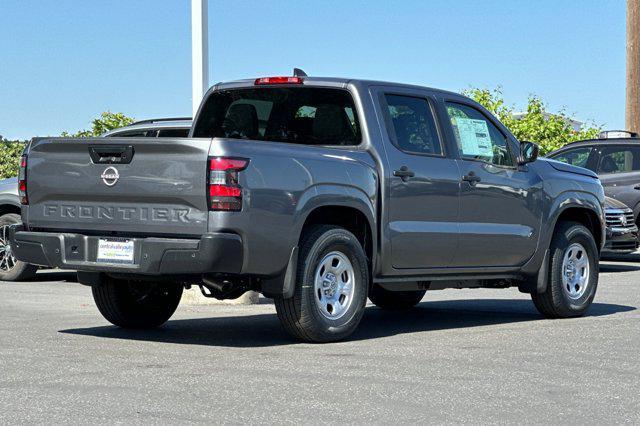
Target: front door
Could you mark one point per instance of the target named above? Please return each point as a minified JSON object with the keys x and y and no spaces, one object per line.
{"x":423,"y":185}
{"x":499,"y":200}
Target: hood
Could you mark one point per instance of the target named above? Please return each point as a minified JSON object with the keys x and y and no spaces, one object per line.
{"x":564,"y":167}
{"x":612,"y":203}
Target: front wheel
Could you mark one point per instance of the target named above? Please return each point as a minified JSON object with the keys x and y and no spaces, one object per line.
{"x":136,"y":304}
{"x":331,"y":286}
{"x":573,"y":273}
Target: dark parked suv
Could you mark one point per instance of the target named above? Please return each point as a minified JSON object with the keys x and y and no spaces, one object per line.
{"x":615,"y":157}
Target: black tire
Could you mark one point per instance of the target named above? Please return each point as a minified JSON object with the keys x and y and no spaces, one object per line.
{"x":395,"y":300}
{"x":300,"y":315}
{"x":136,"y":304}
{"x":555,"y":302}
{"x":12,"y":269}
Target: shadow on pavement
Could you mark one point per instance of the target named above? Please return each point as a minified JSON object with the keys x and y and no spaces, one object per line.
{"x":265,"y":330}
{"x":632,"y":257}
{"x":618,"y":267}
{"x":53,"y":275}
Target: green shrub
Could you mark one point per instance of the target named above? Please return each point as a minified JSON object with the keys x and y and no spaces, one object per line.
{"x":10,"y":152}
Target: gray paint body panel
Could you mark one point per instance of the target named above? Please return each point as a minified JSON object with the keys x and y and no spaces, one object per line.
{"x":428,"y":226}
{"x":160,"y":192}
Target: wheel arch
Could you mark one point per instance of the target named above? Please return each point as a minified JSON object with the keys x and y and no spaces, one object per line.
{"x":344,"y":206}
{"x":349,"y":217}
{"x":581,"y":207}
{"x":9,"y":206}
{"x":586,"y":216}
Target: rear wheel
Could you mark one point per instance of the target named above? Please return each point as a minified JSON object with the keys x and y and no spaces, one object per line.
{"x":396,"y":300}
{"x":11,"y":269}
{"x":136,"y":304}
{"x":573,"y":273}
{"x":331,"y":286}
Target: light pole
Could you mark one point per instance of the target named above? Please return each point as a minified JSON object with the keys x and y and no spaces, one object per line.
{"x":633,"y":66}
{"x":199,"y":51}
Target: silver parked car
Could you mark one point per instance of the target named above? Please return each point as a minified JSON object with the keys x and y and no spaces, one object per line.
{"x":12,"y":269}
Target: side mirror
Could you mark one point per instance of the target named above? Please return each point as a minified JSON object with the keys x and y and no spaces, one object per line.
{"x":528,"y":152}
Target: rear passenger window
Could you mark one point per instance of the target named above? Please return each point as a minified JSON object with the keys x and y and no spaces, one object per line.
{"x":619,"y":159}
{"x":414,"y":129}
{"x":302,"y":115}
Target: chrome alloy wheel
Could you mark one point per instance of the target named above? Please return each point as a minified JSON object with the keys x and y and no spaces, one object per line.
{"x":575,"y":271}
{"x":7,"y":259}
{"x":334,"y":285}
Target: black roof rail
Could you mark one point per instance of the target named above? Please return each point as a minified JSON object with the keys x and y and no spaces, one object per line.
{"x":617,"y":134}
{"x":156,"y":120}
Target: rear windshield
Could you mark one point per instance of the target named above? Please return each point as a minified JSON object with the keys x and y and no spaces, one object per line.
{"x":311,"y":116}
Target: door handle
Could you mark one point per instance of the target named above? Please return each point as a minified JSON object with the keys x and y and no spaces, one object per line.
{"x":637,"y":186}
{"x":404,"y":173}
{"x":111,"y":154}
{"x":471,"y":178}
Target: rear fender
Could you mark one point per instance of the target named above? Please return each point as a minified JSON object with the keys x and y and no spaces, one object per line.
{"x":334,"y":195}
{"x":313,"y":198}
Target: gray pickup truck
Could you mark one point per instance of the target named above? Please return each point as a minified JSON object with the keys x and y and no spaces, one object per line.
{"x":318,"y":193}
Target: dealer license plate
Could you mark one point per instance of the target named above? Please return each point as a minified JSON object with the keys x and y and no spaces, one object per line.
{"x":115,"y":251}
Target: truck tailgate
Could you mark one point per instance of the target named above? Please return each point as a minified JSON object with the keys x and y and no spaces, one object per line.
{"x":118,"y":186}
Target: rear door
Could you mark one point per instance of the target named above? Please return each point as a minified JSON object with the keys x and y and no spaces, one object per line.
{"x":117,"y":186}
{"x":422,"y":182}
{"x":500,"y":203}
{"x":618,"y":167}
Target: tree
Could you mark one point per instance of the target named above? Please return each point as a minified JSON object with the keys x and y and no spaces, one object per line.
{"x":550,"y":131}
{"x":10,"y":152}
{"x":106,"y":121}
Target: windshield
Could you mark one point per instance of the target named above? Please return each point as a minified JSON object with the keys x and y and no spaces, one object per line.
{"x":301,"y":115}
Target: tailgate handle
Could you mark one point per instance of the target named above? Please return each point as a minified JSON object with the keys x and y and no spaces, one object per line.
{"x":111,"y":154}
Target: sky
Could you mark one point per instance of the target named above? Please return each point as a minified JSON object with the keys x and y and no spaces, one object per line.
{"x":63,"y":62}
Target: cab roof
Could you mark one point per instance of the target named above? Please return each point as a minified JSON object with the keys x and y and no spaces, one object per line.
{"x":330,"y":82}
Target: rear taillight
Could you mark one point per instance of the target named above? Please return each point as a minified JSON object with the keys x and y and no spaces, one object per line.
{"x":225,"y":193}
{"x":277,"y":80}
{"x":22,"y":181}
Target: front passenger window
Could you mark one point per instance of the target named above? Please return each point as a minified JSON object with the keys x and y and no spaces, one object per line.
{"x":477,"y":137}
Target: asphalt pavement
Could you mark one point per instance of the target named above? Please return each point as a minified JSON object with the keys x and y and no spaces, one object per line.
{"x":461,"y":356}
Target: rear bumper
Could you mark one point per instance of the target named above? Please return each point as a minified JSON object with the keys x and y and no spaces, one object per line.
{"x":213,"y":252}
{"x":621,"y":240}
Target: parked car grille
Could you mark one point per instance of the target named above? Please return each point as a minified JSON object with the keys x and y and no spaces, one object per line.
{"x":615,"y":219}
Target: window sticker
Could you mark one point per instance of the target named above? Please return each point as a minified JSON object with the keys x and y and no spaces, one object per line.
{"x":474,"y":137}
